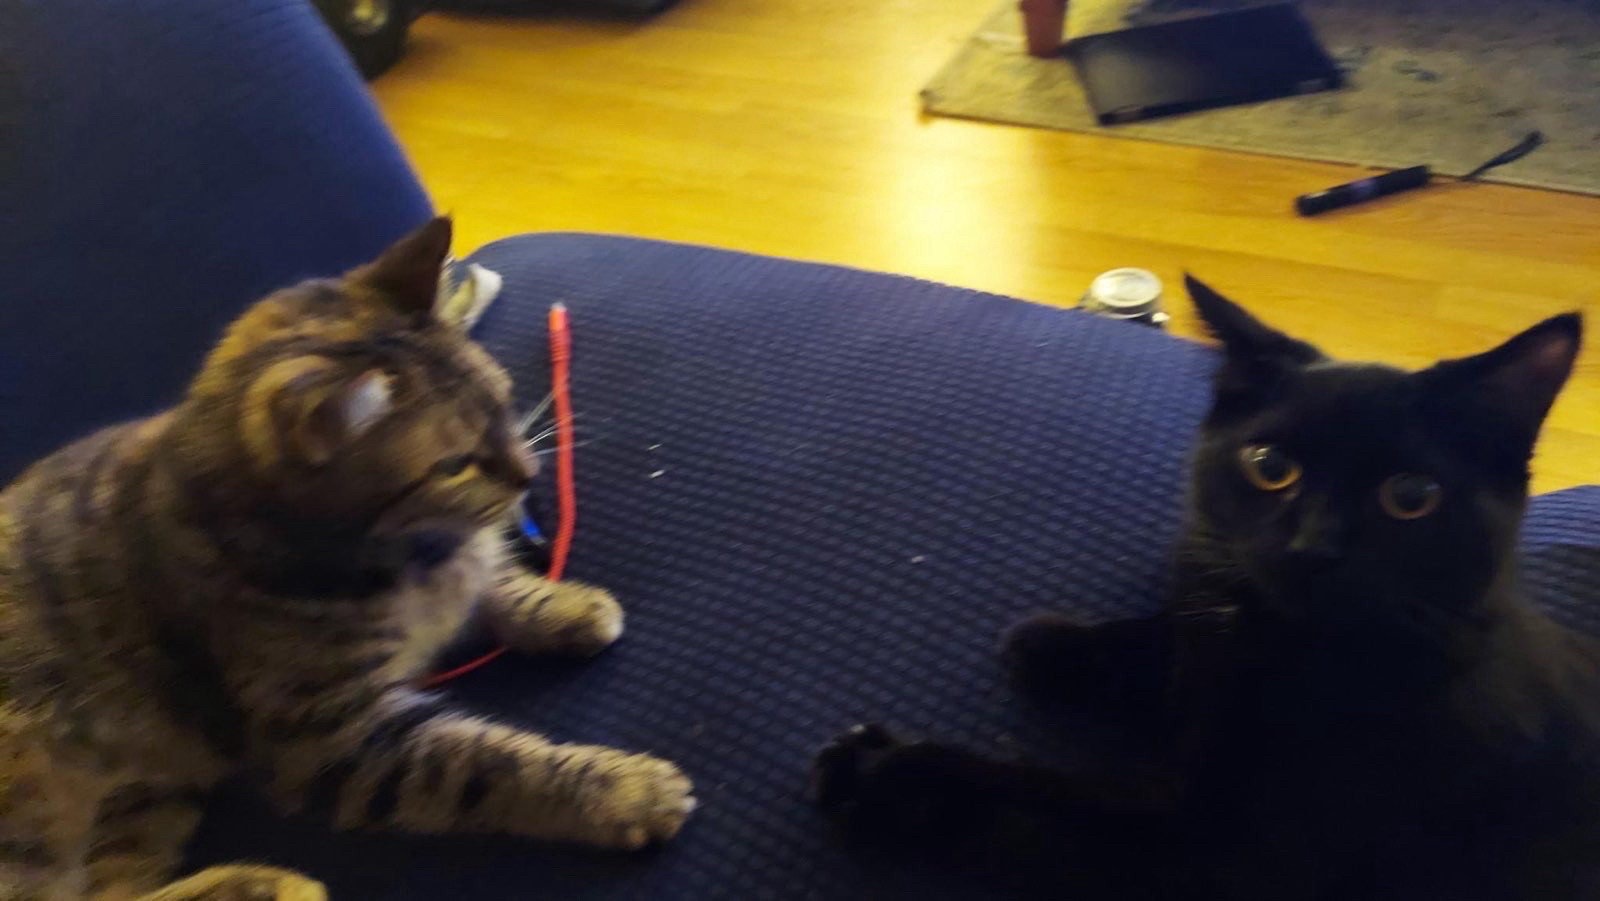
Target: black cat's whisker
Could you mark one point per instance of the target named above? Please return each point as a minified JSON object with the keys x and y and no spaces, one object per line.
{"x":1434,"y":621}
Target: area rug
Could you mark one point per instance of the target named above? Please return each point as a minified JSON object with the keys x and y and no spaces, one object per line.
{"x":1449,"y":83}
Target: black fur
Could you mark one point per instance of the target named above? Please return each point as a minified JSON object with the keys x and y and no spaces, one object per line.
{"x":1344,"y":704}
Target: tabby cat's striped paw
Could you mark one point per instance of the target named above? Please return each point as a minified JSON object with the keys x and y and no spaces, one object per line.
{"x":582,"y":619}
{"x":537,"y":616}
{"x":638,"y":800}
{"x":242,"y":882}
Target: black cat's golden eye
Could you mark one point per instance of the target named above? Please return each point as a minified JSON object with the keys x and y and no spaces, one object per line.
{"x":1409,"y":495}
{"x":454,"y":466}
{"x":1267,"y":467}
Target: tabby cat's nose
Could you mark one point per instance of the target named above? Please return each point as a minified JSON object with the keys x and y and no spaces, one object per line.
{"x":520,"y":466}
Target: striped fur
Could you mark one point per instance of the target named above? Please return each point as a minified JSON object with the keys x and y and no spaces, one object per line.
{"x":255,"y":580}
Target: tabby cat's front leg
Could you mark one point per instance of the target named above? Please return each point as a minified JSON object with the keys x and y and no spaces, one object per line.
{"x":137,"y":840}
{"x":405,"y":760}
{"x":535,"y":615}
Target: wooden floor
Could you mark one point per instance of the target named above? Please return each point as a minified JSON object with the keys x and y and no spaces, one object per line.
{"x":791,"y":127}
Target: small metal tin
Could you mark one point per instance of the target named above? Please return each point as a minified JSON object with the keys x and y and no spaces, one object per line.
{"x":1130,"y":294}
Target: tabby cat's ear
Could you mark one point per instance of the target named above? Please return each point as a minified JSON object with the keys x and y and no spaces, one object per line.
{"x":1256,"y":356}
{"x":304,"y":410}
{"x":1514,"y":385}
{"x":406,"y":276}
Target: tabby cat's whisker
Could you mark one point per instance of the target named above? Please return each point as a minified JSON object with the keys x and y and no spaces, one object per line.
{"x":549,"y":433}
{"x":547,"y":451}
{"x":532,"y":416}
{"x":553,"y":423}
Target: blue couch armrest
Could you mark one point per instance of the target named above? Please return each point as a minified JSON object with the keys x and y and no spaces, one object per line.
{"x":163,"y":163}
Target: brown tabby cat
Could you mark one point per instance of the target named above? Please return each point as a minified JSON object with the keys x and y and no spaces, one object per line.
{"x":255,"y":579}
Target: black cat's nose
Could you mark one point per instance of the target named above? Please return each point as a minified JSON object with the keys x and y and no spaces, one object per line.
{"x":1319,"y":536}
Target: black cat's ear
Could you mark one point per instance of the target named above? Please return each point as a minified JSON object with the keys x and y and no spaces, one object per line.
{"x":1243,"y":335}
{"x":1512,"y":386}
{"x":1257,"y":356}
{"x":406,"y":276}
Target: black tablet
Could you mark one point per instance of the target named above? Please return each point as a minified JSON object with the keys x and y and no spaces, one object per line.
{"x":1238,"y":56}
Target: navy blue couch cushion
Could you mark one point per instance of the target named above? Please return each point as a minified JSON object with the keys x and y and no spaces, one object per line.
{"x":820,"y":493}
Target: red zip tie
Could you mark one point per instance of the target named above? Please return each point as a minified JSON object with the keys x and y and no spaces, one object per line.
{"x":566,"y":488}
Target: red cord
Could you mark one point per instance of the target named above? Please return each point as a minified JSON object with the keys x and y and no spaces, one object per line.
{"x":566,"y":491}
{"x":566,"y":488}
{"x":463,"y":669}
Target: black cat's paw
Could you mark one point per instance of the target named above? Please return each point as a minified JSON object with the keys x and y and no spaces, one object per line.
{"x":1042,"y":652}
{"x":894,"y":793}
{"x":841,"y":767}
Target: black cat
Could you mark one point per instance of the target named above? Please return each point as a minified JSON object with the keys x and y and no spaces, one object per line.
{"x":1347,"y":696}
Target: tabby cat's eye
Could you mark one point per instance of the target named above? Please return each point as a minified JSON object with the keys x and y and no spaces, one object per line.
{"x":1268,"y":468}
{"x":453,"y":466}
{"x":1409,"y":495}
